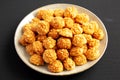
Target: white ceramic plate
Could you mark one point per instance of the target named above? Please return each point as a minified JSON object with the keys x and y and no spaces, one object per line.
{"x":43,"y":69}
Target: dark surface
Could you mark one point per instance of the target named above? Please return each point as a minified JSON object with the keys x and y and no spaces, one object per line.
{"x":11,"y":66}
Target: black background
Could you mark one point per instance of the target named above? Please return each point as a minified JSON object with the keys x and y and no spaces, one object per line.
{"x":11,"y":66}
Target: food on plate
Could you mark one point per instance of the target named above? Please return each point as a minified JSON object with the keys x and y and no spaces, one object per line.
{"x":61,"y":38}
{"x":36,"y":60}
{"x":55,"y":66}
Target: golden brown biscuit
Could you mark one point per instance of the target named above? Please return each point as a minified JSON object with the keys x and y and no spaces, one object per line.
{"x":64,"y":43}
{"x":99,"y":34}
{"x":55,"y":66}
{"x":94,"y":43}
{"x":80,"y":60}
{"x":65,"y":32}
{"x":79,"y":40}
{"x":36,"y":60}
{"x":58,"y":12}
{"x":76,"y":29}
{"x":82,"y":18}
{"x":70,"y":12}
{"x":68,"y":22}
{"x":29,"y":49}
{"x":76,"y":51}
{"x":69,"y":64}
{"x":28,"y":37}
{"x":38,"y":47}
{"x":44,"y":14}
{"x":49,"y":43}
{"x":54,"y":33}
{"x":49,"y":56}
{"x":42,"y":28}
{"x":62,"y":54}
{"x":57,"y":22}
{"x":88,"y":28}
{"x":92,"y":54}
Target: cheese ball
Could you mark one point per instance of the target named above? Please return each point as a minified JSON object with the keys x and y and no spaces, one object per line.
{"x":49,"y":56}
{"x":69,"y":64}
{"x":42,"y":28}
{"x":99,"y":34}
{"x":62,"y":54}
{"x":64,"y":43}
{"x":65,"y":32}
{"x":28,"y":37}
{"x":57,"y":22}
{"x":49,"y":42}
{"x":82,"y":18}
{"x":88,"y":28}
{"x":55,"y":66}
{"x":35,"y":19}
{"x":41,"y":38}
{"x":68,"y":22}
{"x":38,"y":47}
{"x":70,"y":12}
{"x":88,"y":37}
{"x":92,"y":54}
{"x":36,"y":60}
{"x":44,"y":14}
{"x":95,"y":25}
{"x":85,"y":48}
{"x":76,"y":51}
{"x":80,"y":60}
{"x":58,"y":12}
{"x":29,"y":49}
{"x":76,"y":29}
{"x":28,"y":26}
{"x":79,"y":40}
{"x":94,"y":43}
{"x":54,"y":33}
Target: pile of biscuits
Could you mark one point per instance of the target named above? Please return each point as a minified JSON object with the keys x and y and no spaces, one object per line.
{"x":61,"y":38}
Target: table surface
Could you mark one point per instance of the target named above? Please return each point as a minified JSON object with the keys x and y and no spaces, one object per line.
{"x":11,"y":66}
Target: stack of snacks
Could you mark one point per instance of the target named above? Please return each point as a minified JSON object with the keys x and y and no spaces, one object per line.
{"x":62,"y":39}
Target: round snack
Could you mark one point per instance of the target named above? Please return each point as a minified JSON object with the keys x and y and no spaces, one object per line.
{"x":69,"y":64}
{"x":49,"y":55}
{"x":44,"y":14}
{"x":88,"y":37}
{"x":41,"y":38}
{"x":58,"y":12}
{"x":36,"y":60}
{"x":98,"y":34}
{"x":80,"y":60}
{"x":68,"y":22}
{"x":49,"y":42}
{"x":79,"y":40}
{"x":28,"y":37}
{"x":76,"y":51}
{"x":76,"y":29}
{"x":29,"y":26}
{"x":42,"y":28}
{"x":64,"y":43}
{"x":55,"y":66}
{"x":62,"y":54}
{"x":88,"y":28}
{"x":54,"y":33}
{"x":92,"y":54}
{"x":82,"y":18}
{"x":29,"y":49}
{"x":38,"y":47}
{"x":85,"y":47}
{"x":57,"y":22}
{"x":70,"y":12}
{"x":66,"y":32}
{"x":95,"y":25}
{"x":94,"y":43}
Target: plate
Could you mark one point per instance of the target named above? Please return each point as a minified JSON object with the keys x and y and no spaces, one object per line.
{"x":43,"y":69}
